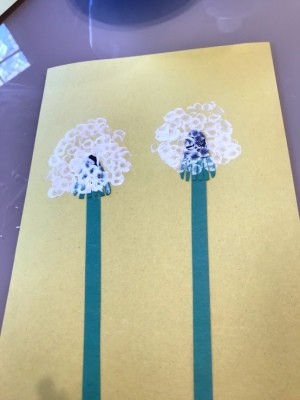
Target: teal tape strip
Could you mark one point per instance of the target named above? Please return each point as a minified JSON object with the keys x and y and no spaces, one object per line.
{"x":201,"y":299}
{"x":91,"y":386}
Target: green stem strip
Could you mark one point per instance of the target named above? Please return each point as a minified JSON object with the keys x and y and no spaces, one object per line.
{"x":201,"y":295}
{"x":91,"y":386}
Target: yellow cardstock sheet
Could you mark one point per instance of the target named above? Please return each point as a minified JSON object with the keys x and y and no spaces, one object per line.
{"x":146,"y":328}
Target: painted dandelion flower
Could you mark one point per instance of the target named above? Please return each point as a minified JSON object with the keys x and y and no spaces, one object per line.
{"x":86,"y":162}
{"x":194,"y":142}
{"x":88,"y":159}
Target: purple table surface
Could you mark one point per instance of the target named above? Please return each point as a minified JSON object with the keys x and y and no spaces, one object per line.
{"x":57,"y":32}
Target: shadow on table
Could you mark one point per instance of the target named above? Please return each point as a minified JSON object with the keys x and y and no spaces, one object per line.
{"x":132,"y":12}
{"x":47,"y":390}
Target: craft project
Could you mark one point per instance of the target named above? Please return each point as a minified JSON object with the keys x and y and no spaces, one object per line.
{"x":86,"y":162}
{"x":190,"y":268}
{"x":194,"y":142}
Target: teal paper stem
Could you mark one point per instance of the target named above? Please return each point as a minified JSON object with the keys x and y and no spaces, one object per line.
{"x":201,"y":295}
{"x":91,"y":387}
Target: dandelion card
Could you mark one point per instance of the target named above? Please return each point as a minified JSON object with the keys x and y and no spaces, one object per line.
{"x":158,"y":256}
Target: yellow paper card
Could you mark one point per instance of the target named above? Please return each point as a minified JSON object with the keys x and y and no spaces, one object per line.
{"x":146,"y":251}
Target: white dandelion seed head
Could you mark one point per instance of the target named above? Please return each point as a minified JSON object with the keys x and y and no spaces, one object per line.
{"x":70,"y":161}
{"x":207,"y":118}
